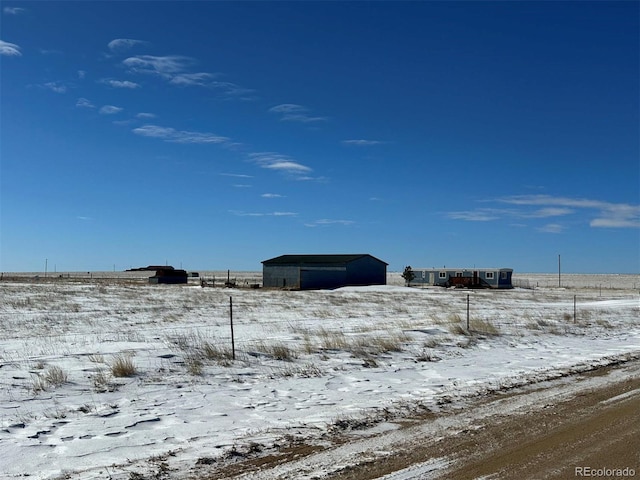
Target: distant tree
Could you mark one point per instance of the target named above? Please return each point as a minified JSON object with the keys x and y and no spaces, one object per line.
{"x":408,"y":275}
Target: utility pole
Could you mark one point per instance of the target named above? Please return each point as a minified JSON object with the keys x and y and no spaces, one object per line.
{"x":559,"y":274}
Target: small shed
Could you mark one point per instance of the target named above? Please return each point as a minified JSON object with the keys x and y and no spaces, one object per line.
{"x":169,"y":275}
{"x":464,"y":277}
{"x":308,"y":272}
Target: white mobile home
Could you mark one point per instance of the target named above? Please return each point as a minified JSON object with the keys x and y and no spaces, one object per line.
{"x":464,"y":277}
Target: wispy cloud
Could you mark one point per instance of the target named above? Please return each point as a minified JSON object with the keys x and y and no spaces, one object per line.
{"x":237,"y":175}
{"x":145,"y":115}
{"x":13,"y":10}
{"x":271,"y":195}
{"x":57,"y":87}
{"x":175,"y":69}
{"x":279,"y":162}
{"x":478,"y":215}
{"x":288,"y":166}
{"x":325,"y":222}
{"x":549,"y":212}
{"x":167,"y":66}
{"x":552,"y":228}
{"x":290,"y":112}
{"x":120,"y":83}
{"x":233,"y":90}
{"x":84,"y":103}
{"x":169,"y":134}
{"x":123,"y":44}
{"x":362,"y":143}
{"x":600,"y":214}
{"x":270,"y":214}
{"x":110,"y":110}
{"x":199,"y":78}
{"x":607,"y":214}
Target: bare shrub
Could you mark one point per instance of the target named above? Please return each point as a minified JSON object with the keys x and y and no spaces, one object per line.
{"x":96,"y":358}
{"x":182,"y":341}
{"x":194,"y":364}
{"x":38,"y":384}
{"x":384,"y":344}
{"x":100,"y":380}
{"x":427,"y":355}
{"x":282,"y":352}
{"x":369,"y":362}
{"x":483,"y":326}
{"x":307,"y":371}
{"x":457,"y":329}
{"x":332,"y":340}
{"x":55,"y":376}
{"x":278,"y":351}
{"x":432,"y":342}
{"x":213,"y":352}
{"x":123,"y":366}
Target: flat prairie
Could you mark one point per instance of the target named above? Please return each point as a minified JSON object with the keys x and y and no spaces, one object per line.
{"x":107,"y":376}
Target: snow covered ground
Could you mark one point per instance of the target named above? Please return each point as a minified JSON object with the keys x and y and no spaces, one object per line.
{"x":307,"y":363}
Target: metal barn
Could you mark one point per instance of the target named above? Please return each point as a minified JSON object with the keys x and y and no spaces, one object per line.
{"x":464,"y":277}
{"x":308,"y":272}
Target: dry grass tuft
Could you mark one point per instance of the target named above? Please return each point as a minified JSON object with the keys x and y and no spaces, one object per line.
{"x":278,"y":351}
{"x":483,"y":326}
{"x":55,"y":376}
{"x":123,"y":366}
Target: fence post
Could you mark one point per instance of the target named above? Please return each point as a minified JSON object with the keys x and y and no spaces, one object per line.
{"x":468,"y":311}
{"x":575,"y":320}
{"x":233,"y":344}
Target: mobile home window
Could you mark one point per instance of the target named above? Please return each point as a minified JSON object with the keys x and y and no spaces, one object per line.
{"x":490,"y":275}
{"x":503,"y":275}
{"x":443,"y":274}
{"x":458,"y":274}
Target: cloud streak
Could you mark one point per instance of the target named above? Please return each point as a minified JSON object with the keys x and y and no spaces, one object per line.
{"x":270,"y":214}
{"x":608,"y":215}
{"x":9,"y":49}
{"x":123,"y":44}
{"x":291,"y":112}
{"x":326,"y":222}
{"x":279,"y":162}
{"x":172,"y":135}
{"x":56,"y":87}
{"x":601,"y":214}
{"x":110,"y":110}
{"x":84,"y":103}
{"x":175,"y":69}
{"x":120,"y":83}
{"x":13,"y":10}
{"x":362,"y":143}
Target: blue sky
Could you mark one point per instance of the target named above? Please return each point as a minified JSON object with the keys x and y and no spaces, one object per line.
{"x":216,"y":135}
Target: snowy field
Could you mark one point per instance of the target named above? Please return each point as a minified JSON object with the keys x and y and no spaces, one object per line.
{"x":105,"y":377}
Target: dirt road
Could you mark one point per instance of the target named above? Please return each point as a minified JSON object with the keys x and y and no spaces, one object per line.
{"x":582,"y":426}
{"x":593,"y":434}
